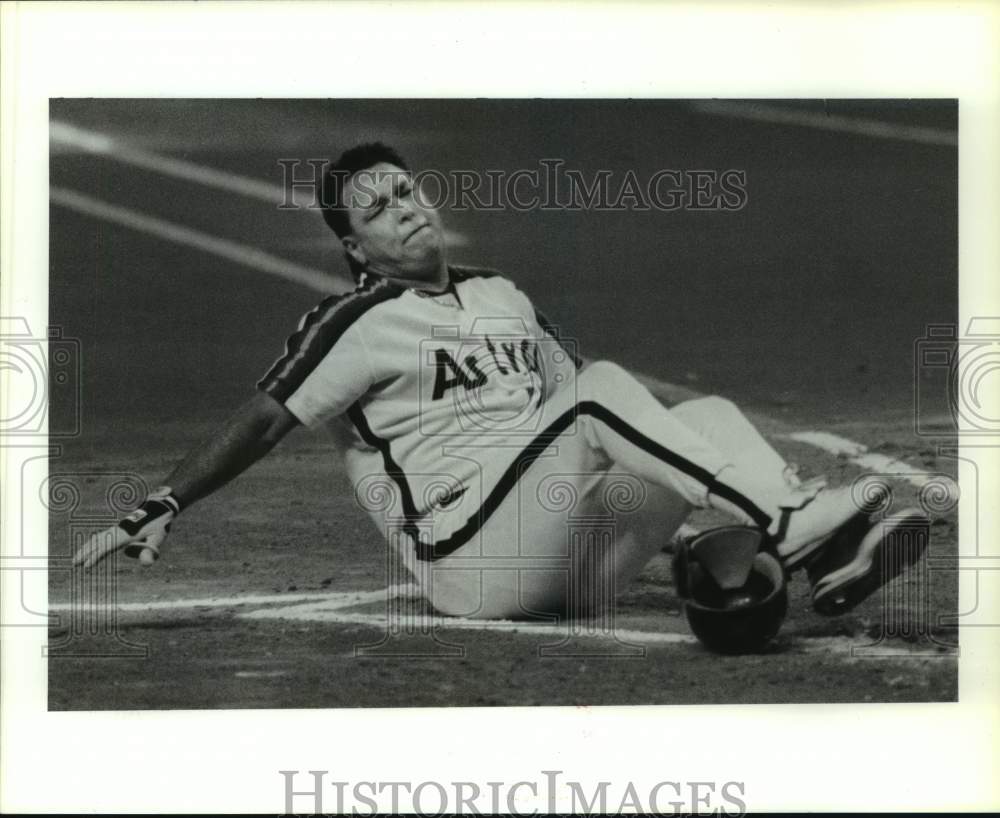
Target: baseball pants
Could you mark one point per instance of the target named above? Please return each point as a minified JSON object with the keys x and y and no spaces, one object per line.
{"x":603,"y":486}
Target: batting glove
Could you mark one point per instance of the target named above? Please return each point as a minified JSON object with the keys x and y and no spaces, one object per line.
{"x":140,"y":534}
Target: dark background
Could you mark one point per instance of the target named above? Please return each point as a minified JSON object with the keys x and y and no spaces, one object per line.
{"x":806,"y":302}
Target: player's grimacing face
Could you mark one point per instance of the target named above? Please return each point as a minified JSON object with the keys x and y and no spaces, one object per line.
{"x":393,"y":232}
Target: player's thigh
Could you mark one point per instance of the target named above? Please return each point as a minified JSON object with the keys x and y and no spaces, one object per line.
{"x":521,"y":550}
{"x":521,"y":547}
{"x":566,"y":540}
{"x":624,"y":523}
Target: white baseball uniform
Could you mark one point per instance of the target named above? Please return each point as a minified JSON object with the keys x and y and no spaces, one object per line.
{"x":502,"y":474}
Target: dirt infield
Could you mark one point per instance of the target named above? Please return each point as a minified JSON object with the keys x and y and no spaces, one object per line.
{"x":309,"y":631}
{"x":804,"y":308}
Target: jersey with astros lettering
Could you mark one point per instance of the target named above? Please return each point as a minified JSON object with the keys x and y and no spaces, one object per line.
{"x":431,"y":397}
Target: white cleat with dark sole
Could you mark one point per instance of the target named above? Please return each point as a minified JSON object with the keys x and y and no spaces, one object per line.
{"x":802,"y":533}
{"x":859,"y":562}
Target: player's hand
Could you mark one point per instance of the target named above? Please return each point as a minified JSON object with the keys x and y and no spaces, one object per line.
{"x":140,"y":534}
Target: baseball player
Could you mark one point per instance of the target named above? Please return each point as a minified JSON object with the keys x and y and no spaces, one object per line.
{"x":477,"y":439}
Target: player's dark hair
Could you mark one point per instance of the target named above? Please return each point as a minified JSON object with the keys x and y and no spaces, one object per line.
{"x":337,"y":174}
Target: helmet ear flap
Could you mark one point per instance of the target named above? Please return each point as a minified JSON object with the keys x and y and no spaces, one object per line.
{"x":720,"y":557}
{"x":690,"y":577}
{"x":727,"y":554}
{"x":680,"y":567}
{"x":732,"y":589}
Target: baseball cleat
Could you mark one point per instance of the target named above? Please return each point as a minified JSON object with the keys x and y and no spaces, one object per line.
{"x":858,"y":563}
{"x":803,"y":532}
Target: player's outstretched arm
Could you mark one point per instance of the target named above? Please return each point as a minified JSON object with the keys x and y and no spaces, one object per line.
{"x":245,"y":438}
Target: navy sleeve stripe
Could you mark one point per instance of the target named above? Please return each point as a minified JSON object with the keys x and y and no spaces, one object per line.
{"x":318,"y":332}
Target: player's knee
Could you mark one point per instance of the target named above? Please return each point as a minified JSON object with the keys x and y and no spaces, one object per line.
{"x":711,"y":406}
{"x":602,"y":377}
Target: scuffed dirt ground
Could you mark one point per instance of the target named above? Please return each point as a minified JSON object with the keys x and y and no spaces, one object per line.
{"x":213,"y":657}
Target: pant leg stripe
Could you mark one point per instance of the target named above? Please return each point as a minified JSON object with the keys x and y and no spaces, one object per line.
{"x":429,"y":552}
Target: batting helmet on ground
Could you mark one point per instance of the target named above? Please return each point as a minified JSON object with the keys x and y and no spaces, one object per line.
{"x":734,"y":594}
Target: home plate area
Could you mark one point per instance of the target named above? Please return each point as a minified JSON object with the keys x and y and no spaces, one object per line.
{"x":401,"y":615}
{"x":378,"y":647}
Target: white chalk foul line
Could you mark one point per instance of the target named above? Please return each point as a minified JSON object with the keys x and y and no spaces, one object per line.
{"x":409,"y":623}
{"x":66,"y":135}
{"x":332,"y":613}
{"x":333,"y":608}
{"x":859,"y":455}
{"x":236,"y":252}
{"x":101,"y":144}
{"x":339,"y":598}
{"x":859,"y":126}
